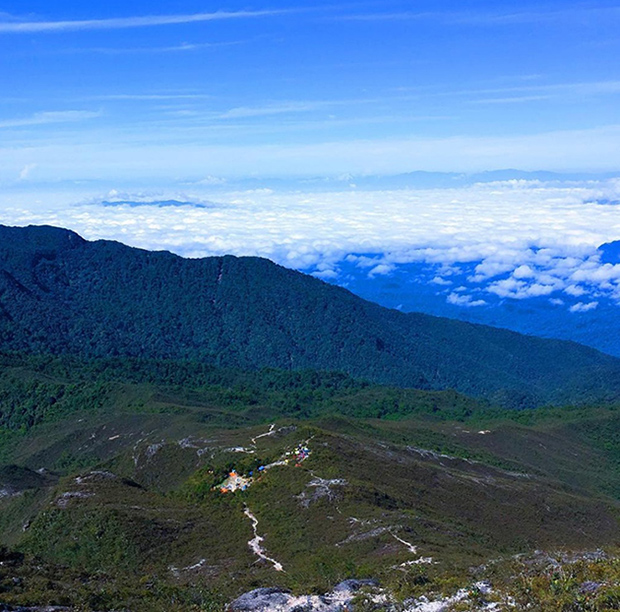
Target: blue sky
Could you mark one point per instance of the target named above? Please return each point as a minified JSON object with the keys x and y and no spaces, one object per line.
{"x":171,"y":92}
{"x":171,"y":106}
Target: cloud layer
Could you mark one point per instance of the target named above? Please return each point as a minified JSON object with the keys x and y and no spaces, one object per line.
{"x":520,"y":239}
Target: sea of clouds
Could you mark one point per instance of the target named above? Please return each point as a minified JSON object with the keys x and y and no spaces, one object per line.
{"x":521,"y":239}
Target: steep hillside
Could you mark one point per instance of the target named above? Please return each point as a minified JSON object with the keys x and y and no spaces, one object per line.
{"x":61,"y":294}
{"x":111,"y":487}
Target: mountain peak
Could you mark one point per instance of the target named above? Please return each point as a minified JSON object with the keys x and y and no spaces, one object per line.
{"x":38,"y":237}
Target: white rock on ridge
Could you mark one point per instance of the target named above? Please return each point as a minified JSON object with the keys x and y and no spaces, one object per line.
{"x":277,"y":600}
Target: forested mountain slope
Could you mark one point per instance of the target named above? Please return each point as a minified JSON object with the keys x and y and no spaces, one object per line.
{"x":64,"y":295}
{"x":112,"y":475}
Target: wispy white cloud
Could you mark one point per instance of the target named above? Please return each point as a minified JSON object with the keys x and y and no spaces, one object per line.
{"x":382,"y":269}
{"x":161,"y":97}
{"x":464,"y":300}
{"x":300,"y":106}
{"x":182,"y":152}
{"x":511,"y":100}
{"x":248,"y":112}
{"x":26,"y":171}
{"x":395,"y":16}
{"x":575,"y":14}
{"x":183,"y":47}
{"x":524,"y":239}
{"x":519,"y":289}
{"x":492,"y":18}
{"x":485,"y":96}
{"x":581,"y":88}
{"x":574,"y":290}
{"x":577,"y":87}
{"x":117,"y":23}
{"x":523,"y":271}
{"x":210,"y":181}
{"x":44,"y":118}
{"x":517,"y":93}
{"x":244,"y":112}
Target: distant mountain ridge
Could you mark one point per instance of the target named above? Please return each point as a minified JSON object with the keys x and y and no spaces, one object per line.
{"x":409,"y":180}
{"x":64,"y":295}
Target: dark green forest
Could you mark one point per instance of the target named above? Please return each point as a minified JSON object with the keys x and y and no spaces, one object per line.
{"x":35,"y":389}
{"x":62,"y":295}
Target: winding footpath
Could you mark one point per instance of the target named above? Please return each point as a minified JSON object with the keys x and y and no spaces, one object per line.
{"x":271,"y":432}
{"x":255,"y":542}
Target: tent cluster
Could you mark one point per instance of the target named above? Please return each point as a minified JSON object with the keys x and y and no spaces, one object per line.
{"x":237,"y":482}
{"x":301,"y":453}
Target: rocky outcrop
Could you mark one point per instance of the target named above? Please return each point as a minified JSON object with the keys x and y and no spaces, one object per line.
{"x":278,"y":600}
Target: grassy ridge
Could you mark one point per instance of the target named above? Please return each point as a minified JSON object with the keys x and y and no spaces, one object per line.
{"x":111,"y":467}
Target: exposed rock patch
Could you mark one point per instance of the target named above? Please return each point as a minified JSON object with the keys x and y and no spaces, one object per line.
{"x":278,"y":600}
{"x":322,"y":489}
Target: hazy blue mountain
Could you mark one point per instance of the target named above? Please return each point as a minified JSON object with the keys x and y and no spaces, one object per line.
{"x":412,"y":288}
{"x":159,"y":203}
{"x":610,"y":252}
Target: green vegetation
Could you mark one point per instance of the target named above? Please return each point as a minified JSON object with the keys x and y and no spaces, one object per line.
{"x":37,"y":389}
{"x":556,"y":581}
{"x":25,"y":580}
{"x":60,"y":294}
{"x":112,"y":486}
{"x":133,"y":383}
